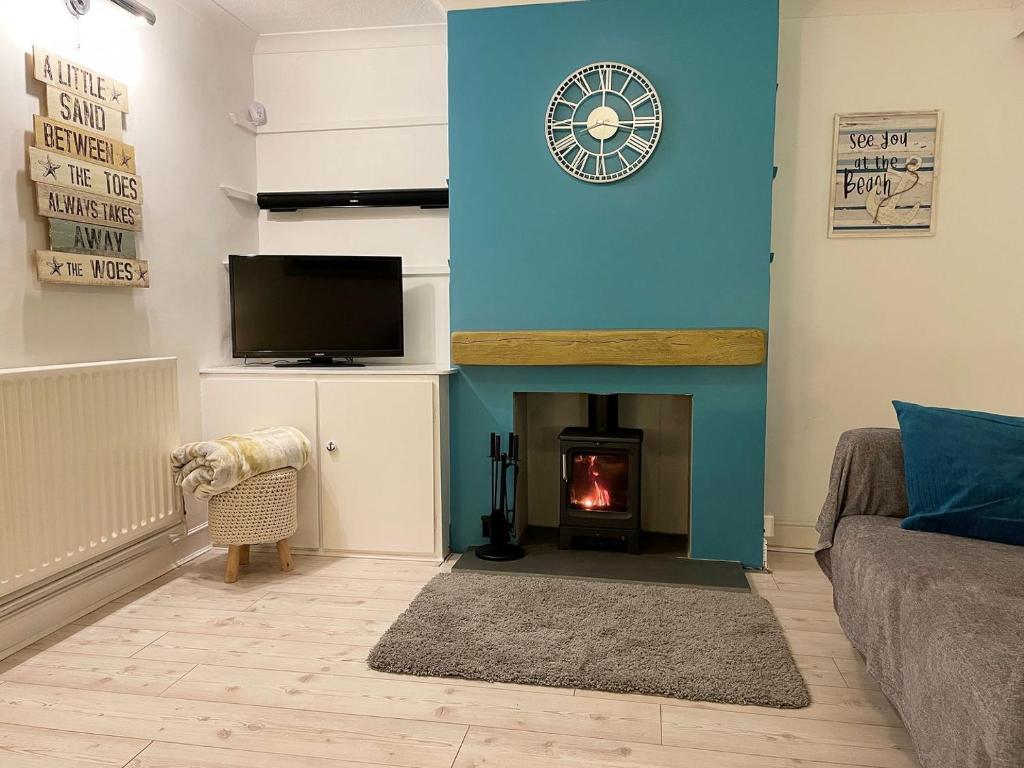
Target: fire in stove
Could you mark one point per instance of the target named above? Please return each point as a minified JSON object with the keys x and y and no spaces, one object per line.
{"x":599,"y":482}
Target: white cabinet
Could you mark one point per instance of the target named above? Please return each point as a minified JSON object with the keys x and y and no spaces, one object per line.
{"x":233,"y":404}
{"x":377,"y":482}
{"x":377,"y":466}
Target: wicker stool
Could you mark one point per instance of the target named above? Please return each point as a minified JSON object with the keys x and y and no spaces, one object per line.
{"x":258,"y":510}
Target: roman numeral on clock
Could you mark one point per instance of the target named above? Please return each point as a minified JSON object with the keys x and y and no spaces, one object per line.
{"x":580,"y":161}
{"x":563,"y":144}
{"x":637,"y":144}
{"x":605,"y":73}
{"x":583,"y":85}
{"x":645,"y":122}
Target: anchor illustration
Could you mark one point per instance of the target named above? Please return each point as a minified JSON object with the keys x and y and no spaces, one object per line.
{"x":883,"y":209}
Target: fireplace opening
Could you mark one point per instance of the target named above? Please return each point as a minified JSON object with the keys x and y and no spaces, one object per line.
{"x":600,"y":479}
{"x":666,"y":424}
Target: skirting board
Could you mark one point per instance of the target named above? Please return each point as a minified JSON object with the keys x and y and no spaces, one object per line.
{"x":793,"y":536}
{"x":52,"y":613}
{"x":271,"y":551}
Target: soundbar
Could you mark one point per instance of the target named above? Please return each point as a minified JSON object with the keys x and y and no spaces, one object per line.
{"x":286,"y":202}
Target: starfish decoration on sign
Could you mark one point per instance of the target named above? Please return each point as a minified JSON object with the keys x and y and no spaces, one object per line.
{"x":115,"y":95}
{"x":143,"y":274}
{"x":49,"y":168}
{"x":54,"y":265}
{"x":125,"y":159}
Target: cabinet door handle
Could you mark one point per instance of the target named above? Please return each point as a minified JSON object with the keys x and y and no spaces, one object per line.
{"x":332,"y":446}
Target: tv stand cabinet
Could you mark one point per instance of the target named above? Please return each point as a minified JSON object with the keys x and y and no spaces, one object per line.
{"x":377,"y":480}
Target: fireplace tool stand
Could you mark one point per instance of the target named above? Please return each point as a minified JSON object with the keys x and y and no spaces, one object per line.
{"x":502,"y":520}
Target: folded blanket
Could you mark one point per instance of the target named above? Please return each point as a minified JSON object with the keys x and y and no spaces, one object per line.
{"x":209,"y":467}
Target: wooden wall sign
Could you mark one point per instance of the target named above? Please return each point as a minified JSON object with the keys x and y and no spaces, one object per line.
{"x":885,"y":173}
{"x":85,"y":176}
{"x":74,"y":78}
{"x":62,"y":171}
{"x":60,"y":203}
{"x":77,"y":142}
{"x":90,"y":115}
{"x":75,"y":237}
{"x":75,"y":269}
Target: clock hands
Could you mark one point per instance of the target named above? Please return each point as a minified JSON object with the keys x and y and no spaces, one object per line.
{"x":587,"y":125}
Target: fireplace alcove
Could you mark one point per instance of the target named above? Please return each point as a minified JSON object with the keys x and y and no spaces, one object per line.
{"x":559,"y":436}
{"x":720,"y":372}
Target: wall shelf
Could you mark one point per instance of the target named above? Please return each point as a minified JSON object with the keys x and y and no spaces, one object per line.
{"x":289,"y":202}
{"x":245,"y":125}
{"x":371,"y":124}
{"x":238,"y":194}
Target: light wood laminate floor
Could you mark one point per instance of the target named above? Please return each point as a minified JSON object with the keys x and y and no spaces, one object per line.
{"x":189,"y":672}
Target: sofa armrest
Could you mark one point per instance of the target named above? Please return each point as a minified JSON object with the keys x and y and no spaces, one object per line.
{"x":867,"y":479}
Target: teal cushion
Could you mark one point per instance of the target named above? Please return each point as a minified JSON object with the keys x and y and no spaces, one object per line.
{"x":965,"y":472}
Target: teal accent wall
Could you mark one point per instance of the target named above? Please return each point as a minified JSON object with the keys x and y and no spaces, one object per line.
{"x":684,"y":242}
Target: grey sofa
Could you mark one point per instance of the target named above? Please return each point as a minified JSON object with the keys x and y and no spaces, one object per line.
{"x":939,"y":619}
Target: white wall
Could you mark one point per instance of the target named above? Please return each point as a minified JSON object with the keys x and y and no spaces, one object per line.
{"x":184,"y":75}
{"x":857,"y":323}
{"x":356,"y":110}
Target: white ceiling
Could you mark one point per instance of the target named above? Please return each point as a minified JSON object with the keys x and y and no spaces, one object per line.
{"x":275,"y":16}
{"x":271,"y":16}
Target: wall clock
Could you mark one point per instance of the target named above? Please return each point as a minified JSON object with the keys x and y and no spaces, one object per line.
{"x":603,"y":122}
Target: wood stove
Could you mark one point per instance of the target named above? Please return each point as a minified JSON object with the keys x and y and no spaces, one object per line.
{"x":600,"y":493}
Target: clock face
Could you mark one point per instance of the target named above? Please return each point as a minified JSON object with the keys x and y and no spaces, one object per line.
{"x":604,"y":122}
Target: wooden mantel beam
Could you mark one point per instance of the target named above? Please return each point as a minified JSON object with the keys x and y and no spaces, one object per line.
{"x":665,"y":347}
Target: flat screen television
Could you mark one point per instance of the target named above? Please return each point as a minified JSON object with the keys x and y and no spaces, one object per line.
{"x":316,"y":307}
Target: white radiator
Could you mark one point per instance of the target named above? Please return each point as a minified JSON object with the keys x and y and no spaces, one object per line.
{"x":84,"y":468}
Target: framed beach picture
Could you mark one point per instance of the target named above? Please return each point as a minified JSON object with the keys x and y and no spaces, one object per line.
{"x":885,"y":174}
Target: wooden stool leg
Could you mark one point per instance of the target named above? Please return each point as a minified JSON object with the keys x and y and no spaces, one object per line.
{"x":244,"y":554}
{"x":284,"y":555}
{"x":231,"y":572}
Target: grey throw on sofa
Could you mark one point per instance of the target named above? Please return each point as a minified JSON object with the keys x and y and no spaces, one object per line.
{"x":939,"y":619}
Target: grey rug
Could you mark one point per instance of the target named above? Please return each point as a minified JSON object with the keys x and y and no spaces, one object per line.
{"x":698,"y":644}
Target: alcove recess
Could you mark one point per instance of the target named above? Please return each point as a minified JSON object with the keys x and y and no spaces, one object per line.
{"x":666,"y":420}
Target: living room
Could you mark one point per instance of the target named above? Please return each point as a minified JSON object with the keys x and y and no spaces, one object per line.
{"x":468,"y":382}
